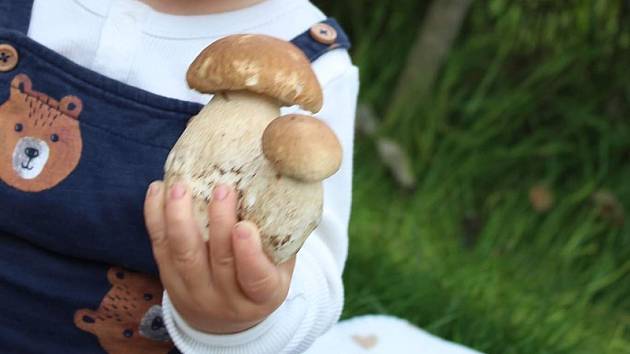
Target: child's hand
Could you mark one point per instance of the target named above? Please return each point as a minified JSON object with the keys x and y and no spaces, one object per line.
{"x":226,"y":285}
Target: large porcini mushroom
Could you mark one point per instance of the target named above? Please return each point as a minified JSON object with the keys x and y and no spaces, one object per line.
{"x":280,"y":189}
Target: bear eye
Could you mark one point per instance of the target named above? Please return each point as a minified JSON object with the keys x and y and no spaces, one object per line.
{"x":54,"y":138}
{"x":19,"y":127}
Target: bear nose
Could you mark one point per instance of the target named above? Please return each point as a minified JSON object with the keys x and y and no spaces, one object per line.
{"x":157,"y":323}
{"x":32,"y":153}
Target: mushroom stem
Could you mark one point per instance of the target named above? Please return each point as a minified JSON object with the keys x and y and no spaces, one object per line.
{"x":238,"y":109}
{"x":218,"y":145}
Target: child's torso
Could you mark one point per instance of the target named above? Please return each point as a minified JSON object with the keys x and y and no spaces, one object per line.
{"x":77,"y":151}
{"x":129,"y":42}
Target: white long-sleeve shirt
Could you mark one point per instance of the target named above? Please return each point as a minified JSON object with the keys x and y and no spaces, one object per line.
{"x":130,"y":42}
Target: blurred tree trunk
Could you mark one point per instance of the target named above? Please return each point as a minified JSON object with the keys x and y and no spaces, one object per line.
{"x":430,"y":49}
{"x":428,"y":52}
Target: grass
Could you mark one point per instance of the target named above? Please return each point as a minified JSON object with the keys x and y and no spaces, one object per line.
{"x":534,"y":92}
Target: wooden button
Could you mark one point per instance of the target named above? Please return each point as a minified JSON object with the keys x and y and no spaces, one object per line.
{"x":324,"y":33}
{"x":8,"y":57}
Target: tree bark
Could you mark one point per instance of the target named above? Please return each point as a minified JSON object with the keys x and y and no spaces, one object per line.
{"x":430,"y":49}
{"x":428,"y":53}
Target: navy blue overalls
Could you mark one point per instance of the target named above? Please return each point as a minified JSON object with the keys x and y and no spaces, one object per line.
{"x":77,"y":152}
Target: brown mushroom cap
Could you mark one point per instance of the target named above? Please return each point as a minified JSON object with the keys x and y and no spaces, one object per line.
{"x":258,"y":63}
{"x":302,"y":147}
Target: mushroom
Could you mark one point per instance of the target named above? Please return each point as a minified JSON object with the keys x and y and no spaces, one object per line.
{"x":302,"y":147}
{"x":275,"y":164}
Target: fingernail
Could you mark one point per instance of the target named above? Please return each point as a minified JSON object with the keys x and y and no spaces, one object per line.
{"x":242,"y":231}
{"x":154,"y":188}
{"x":177,"y":191}
{"x":220,"y":192}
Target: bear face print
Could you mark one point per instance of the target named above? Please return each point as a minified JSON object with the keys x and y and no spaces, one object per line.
{"x":40,"y":138}
{"x":129,"y":318}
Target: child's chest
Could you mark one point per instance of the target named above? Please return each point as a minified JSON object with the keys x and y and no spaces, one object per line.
{"x":77,"y":152}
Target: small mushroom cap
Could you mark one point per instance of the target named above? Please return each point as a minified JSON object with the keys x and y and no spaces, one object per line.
{"x":257,"y":63}
{"x":302,"y":147}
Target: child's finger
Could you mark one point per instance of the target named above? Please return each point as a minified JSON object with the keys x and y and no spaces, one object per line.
{"x":156,"y":227}
{"x":187,"y":250}
{"x":258,"y":278}
{"x":154,"y":220}
{"x":221,"y":219}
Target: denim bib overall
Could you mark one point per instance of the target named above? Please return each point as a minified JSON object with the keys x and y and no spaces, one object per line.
{"x":77,"y":152}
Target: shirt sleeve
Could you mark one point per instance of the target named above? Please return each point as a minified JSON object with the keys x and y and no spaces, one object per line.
{"x":315,"y":298}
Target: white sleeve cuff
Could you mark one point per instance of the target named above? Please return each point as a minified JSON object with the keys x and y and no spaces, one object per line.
{"x":264,"y":338}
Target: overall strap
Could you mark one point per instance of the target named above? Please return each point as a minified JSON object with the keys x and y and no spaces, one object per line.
{"x":322,"y":38}
{"x":16,"y":14}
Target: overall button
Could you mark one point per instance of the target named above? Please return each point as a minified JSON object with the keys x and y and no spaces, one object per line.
{"x":324,"y":33}
{"x":8,"y":57}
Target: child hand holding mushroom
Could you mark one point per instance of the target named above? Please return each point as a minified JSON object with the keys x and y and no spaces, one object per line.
{"x":228,"y":266}
{"x":226,"y":286}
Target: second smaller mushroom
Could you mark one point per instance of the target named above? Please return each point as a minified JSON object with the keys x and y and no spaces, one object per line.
{"x":302,"y":147}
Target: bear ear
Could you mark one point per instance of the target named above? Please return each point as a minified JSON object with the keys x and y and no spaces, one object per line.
{"x":21,"y":83}
{"x":72,"y":106}
{"x":85,"y":319}
{"x":116,"y":275}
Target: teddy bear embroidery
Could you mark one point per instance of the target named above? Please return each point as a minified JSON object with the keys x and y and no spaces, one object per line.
{"x":40,"y":137}
{"x":129,"y":318}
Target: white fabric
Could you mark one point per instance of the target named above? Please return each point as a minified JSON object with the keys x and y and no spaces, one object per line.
{"x":382,"y":335}
{"x":128,"y":41}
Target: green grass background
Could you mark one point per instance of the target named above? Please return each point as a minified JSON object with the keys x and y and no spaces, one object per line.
{"x":533,"y":92}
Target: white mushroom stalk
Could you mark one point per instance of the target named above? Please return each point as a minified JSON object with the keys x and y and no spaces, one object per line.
{"x":220,"y":145}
